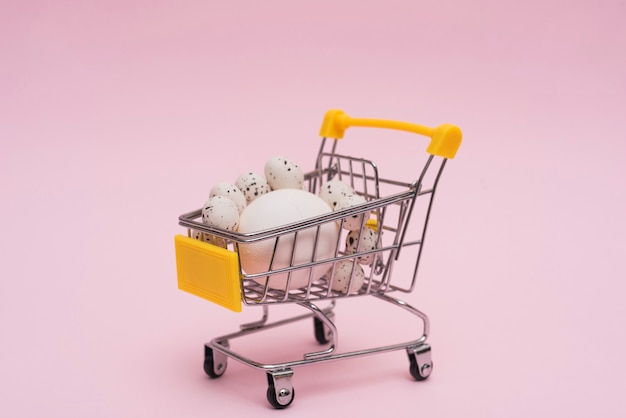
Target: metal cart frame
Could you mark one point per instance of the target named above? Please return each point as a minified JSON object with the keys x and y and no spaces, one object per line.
{"x":209,"y":267}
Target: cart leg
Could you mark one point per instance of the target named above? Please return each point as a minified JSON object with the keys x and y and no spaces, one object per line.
{"x":421,"y":361}
{"x":215,"y":362}
{"x":257,"y":324}
{"x":402,"y":304}
{"x":280,"y":391}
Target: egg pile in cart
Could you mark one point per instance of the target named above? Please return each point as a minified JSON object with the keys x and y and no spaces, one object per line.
{"x":303,"y":266}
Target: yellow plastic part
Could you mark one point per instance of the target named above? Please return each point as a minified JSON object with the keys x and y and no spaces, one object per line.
{"x":208,"y":271}
{"x":445,"y":139}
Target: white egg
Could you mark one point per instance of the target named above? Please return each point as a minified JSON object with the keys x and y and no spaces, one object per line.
{"x":230,"y":191}
{"x":332,"y":191}
{"x":253,"y":185}
{"x":341,"y":278}
{"x":281,"y":207}
{"x":282,"y":173}
{"x":221,"y":212}
{"x":354,"y":222}
{"x":368,"y":242}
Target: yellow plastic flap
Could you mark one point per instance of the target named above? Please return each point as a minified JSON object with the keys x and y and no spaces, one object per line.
{"x":208,"y":271}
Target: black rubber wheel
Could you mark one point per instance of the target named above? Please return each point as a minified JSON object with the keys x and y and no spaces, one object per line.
{"x":271,"y":395}
{"x":209,"y":364}
{"x":271,"y":398}
{"x":320,"y":334}
{"x":414,"y":369}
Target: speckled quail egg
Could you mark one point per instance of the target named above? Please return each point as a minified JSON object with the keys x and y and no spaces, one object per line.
{"x":230,"y":191}
{"x":354,"y":222}
{"x":199,"y":235}
{"x":341,"y":278}
{"x":282,"y":173}
{"x":221,"y":212}
{"x":253,"y":185}
{"x":332,"y":191}
{"x":367,"y":242}
{"x":206,"y":237}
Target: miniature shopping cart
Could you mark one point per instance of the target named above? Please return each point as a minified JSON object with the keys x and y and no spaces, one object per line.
{"x":209,"y":265}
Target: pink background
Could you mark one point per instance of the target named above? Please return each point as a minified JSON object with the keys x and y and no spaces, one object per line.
{"x":117,"y":116}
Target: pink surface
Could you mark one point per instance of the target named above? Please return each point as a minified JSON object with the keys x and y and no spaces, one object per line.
{"x":116,"y":117}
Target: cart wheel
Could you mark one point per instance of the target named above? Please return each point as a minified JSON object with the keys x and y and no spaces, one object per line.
{"x":421,"y":365}
{"x":415,"y":370}
{"x":283,"y":397}
{"x":322,"y":332}
{"x":214,"y":363}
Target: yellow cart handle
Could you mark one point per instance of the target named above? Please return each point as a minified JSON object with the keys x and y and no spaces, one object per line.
{"x":445,"y":139}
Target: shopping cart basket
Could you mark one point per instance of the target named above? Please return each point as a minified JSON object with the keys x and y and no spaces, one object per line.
{"x":209,"y":265}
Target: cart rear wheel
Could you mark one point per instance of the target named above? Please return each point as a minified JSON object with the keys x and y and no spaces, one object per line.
{"x":421,"y":364}
{"x":214,"y":365}
{"x":415,"y":370}
{"x":322,"y":332}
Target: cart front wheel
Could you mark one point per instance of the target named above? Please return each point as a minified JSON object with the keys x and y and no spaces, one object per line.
{"x":280,"y":391}
{"x":214,"y":363}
